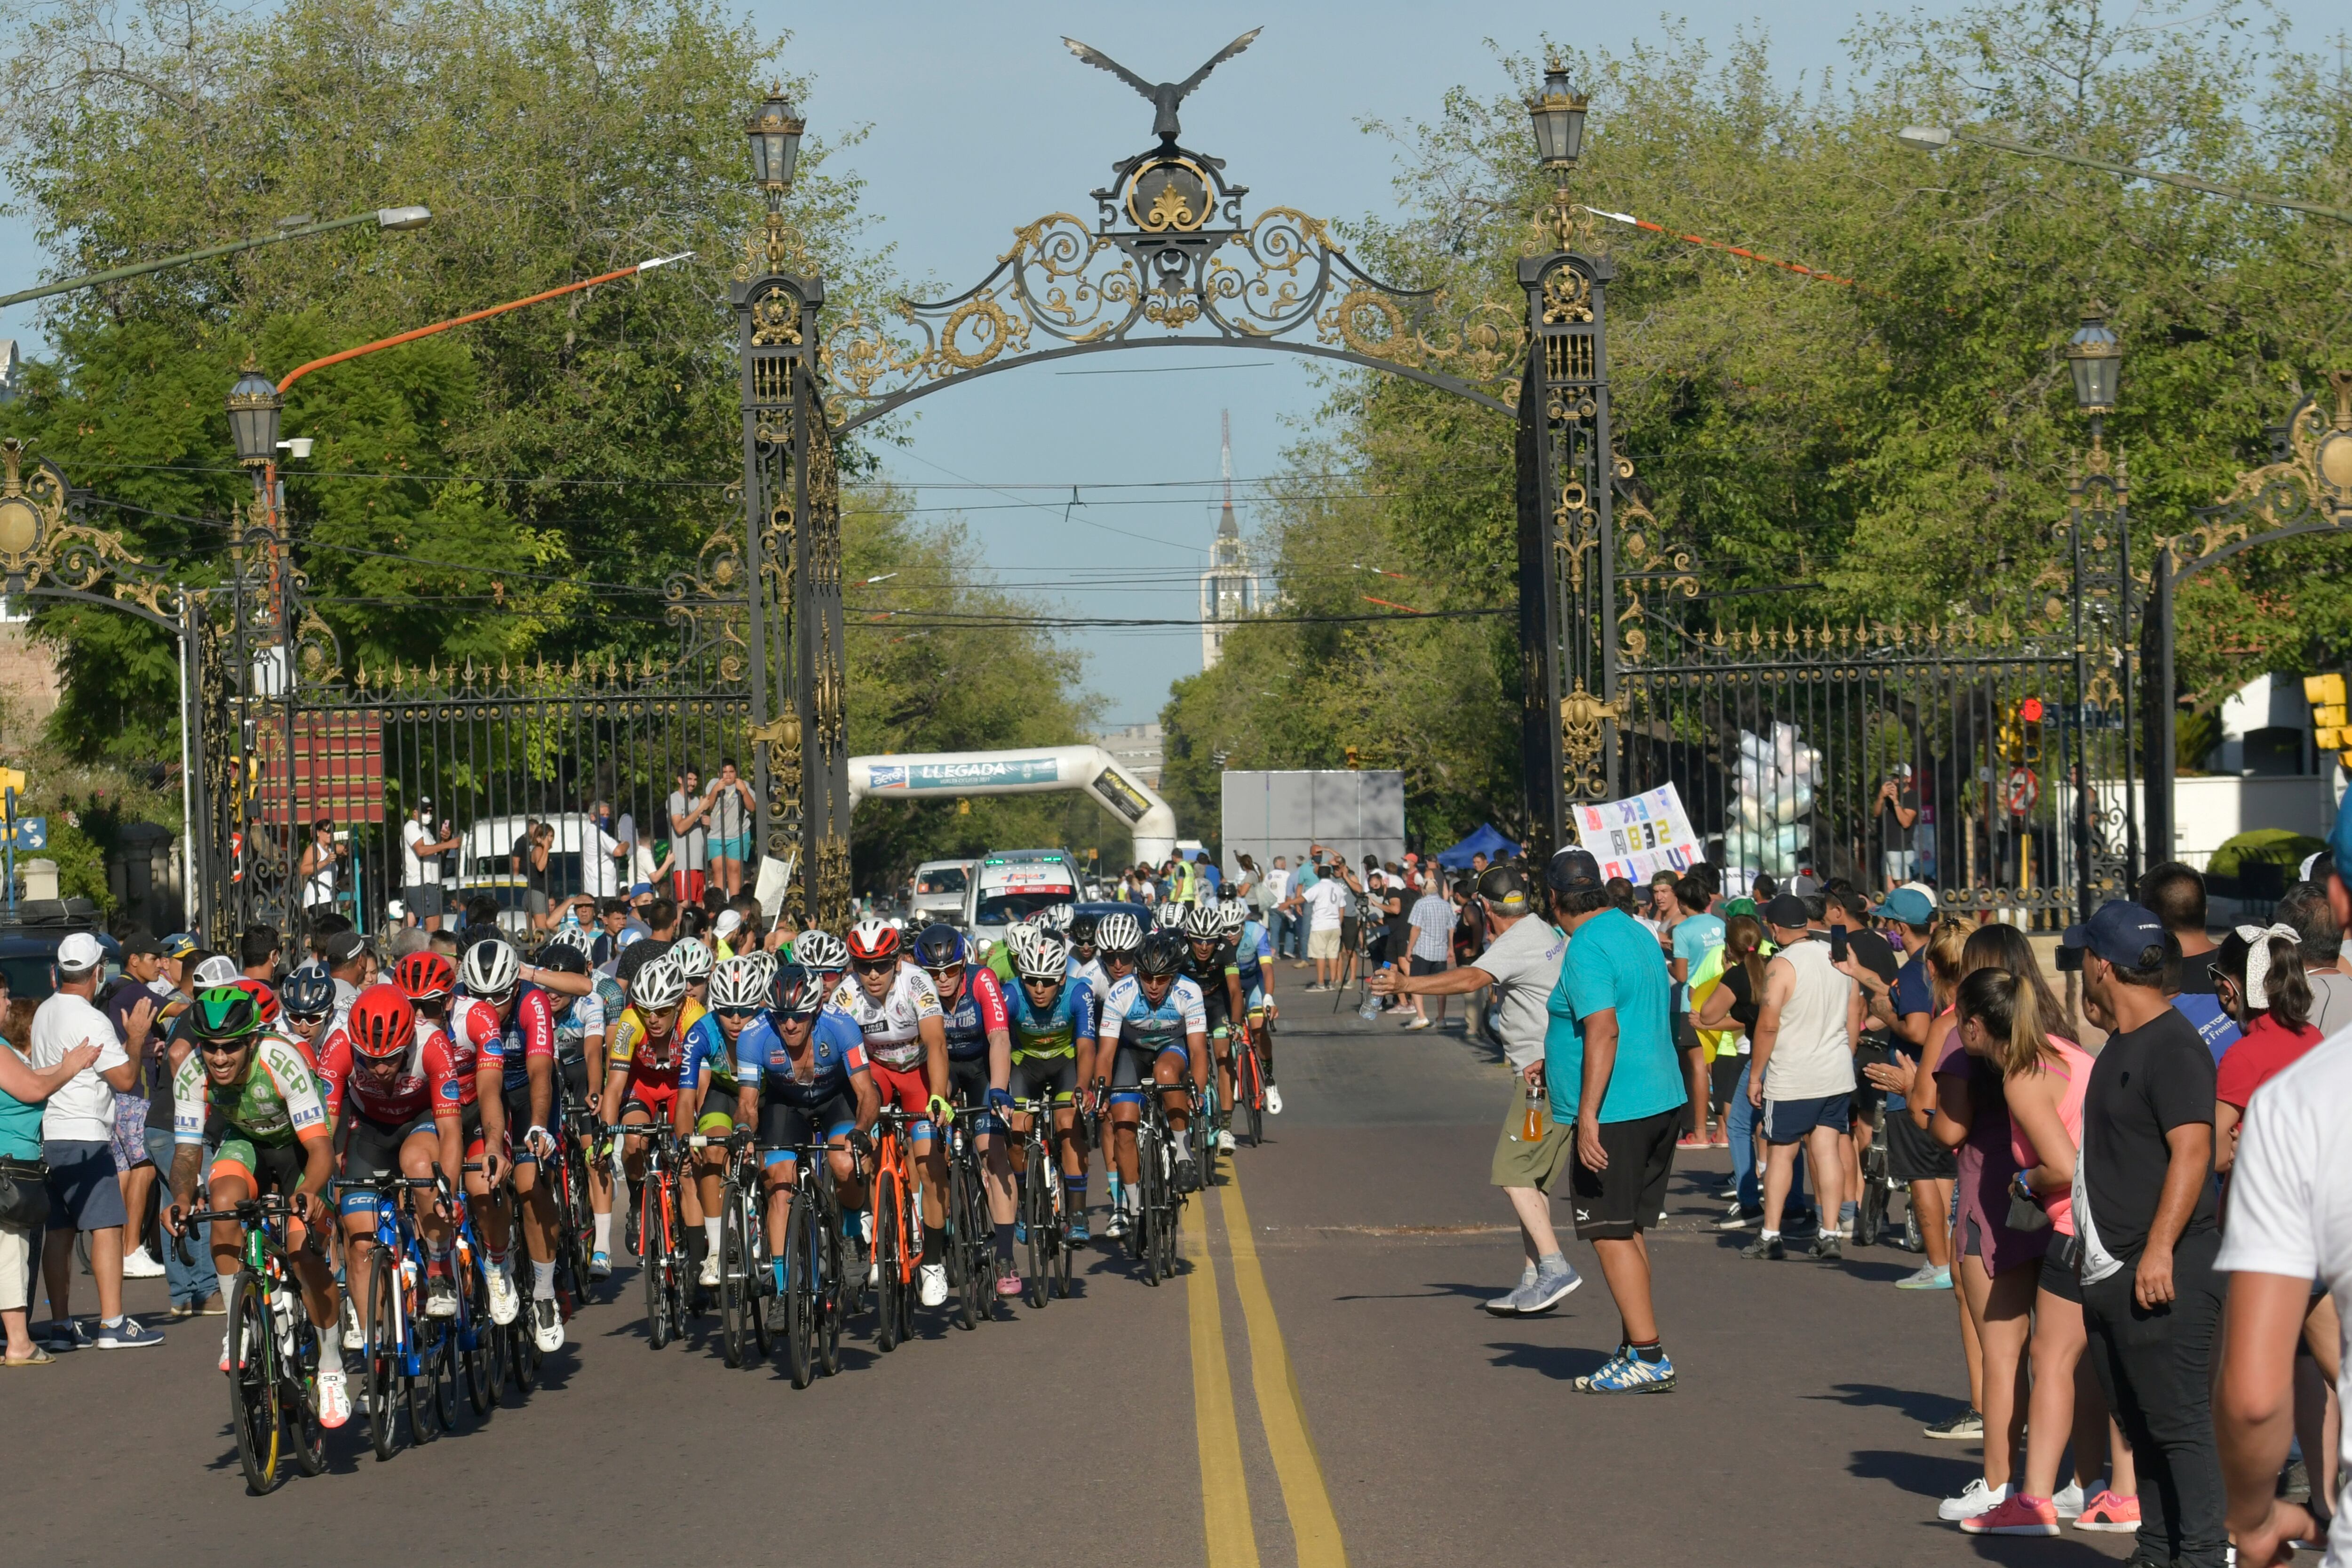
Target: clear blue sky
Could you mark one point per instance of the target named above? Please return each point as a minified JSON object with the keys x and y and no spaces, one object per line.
{"x":978,"y":120}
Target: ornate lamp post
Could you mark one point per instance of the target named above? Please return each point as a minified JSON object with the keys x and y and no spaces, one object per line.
{"x":2098,"y":531}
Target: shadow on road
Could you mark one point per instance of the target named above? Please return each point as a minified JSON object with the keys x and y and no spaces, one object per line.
{"x":1923,"y":1475}
{"x":1436,"y":1289}
{"x":1561,"y":1364}
{"x":1918,"y":1406}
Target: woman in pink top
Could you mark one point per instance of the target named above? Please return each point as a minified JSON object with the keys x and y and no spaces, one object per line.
{"x":2043,"y":1078}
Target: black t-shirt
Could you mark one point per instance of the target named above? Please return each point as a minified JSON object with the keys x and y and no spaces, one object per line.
{"x":1892,"y":836}
{"x":2144,"y":1082}
{"x":1743,"y":994}
{"x":1873,"y":952}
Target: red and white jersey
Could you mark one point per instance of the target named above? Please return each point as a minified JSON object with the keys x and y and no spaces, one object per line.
{"x":425,"y":1081}
{"x":892,"y":1026}
{"x":464,"y":1056}
{"x":509,"y":1042}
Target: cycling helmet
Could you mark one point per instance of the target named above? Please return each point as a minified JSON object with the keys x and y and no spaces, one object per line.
{"x":383,"y":1023}
{"x":796,"y":992}
{"x":1044,"y":956}
{"x":1119,"y":933}
{"x":563,"y":958}
{"x":309,"y":992}
{"x":424,"y":976}
{"x":224,"y":1013}
{"x":693,"y":958}
{"x":659,"y":984}
{"x":1203,"y":923}
{"x":491,"y":969}
{"x":942,"y":947}
{"x":1168,"y":917}
{"x":1162,"y":954}
{"x":820,"y":950}
{"x":738,"y":984}
{"x":872,"y":940}
{"x":576,"y":937}
{"x":763,"y":964}
{"x":1084,"y":931}
{"x":265,"y":998}
{"x":1054,"y":918}
{"x":1231,"y":915}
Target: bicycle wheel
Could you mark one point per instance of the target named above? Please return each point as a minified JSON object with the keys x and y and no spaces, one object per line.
{"x":252,"y":1384}
{"x":1870,"y":1214}
{"x":1037,"y":1220}
{"x":1251,"y":1092}
{"x":885,"y":1261}
{"x":441,"y":1351}
{"x":963,"y":1236}
{"x":383,"y":1357}
{"x":1148,"y":1178}
{"x":416,"y":1391}
{"x":481,"y":1371}
{"x":298,"y":1392}
{"x":759,"y":1276}
{"x":1062,"y":1249}
{"x":522,"y":1347}
{"x":653,"y":1261}
{"x":734,"y":1284}
{"x":800,"y":1302}
{"x":827,"y":1265}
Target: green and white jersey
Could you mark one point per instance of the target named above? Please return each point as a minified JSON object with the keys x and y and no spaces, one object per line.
{"x":277,"y":1103}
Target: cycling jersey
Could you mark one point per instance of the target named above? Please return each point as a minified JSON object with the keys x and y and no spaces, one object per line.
{"x":427,"y":1080}
{"x":892,"y":1026}
{"x":980,"y":1007}
{"x":1053,"y":1029}
{"x":1249,"y":952}
{"x":650,"y":1063}
{"x":1209,"y":974}
{"x":836,"y":1054}
{"x":1092,"y":972}
{"x":710,"y":1059}
{"x":589,"y":1014}
{"x":1129,"y":1016}
{"x":277,"y":1105}
{"x":527,"y":1031}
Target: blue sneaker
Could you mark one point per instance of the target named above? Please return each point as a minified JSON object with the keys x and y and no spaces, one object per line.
{"x":1078,"y":1229}
{"x":128,"y":1334}
{"x":1020,"y":1233}
{"x":600,"y":1266}
{"x":65,"y":1334}
{"x":1627,"y":1373}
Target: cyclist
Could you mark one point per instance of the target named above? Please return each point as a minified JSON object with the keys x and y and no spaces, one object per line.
{"x":1118,"y":935}
{"x":393,"y":1101}
{"x":511,"y":1026}
{"x":1251,"y":947}
{"x":801,"y":1073}
{"x":1152,"y":1029}
{"x":306,"y":1005}
{"x":1051,"y":1012}
{"x":707,"y":1084}
{"x":1211,"y":963}
{"x":580,"y":1030}
{"x":898,"y":1012}
{"x":694,"y":962}
{"x":1085,"y":963}
{"x":427,"y":979}
{"x":824,"y":956}
{"x":980,"y":1057}
{"x":247,"y":1090}
{"x":644,"y":1058}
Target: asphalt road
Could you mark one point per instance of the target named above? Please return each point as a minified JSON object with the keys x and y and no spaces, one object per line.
{"x":1317,"y":1388}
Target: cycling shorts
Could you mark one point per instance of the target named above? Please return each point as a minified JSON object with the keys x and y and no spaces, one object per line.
{"x":968,"y":1085}
{"x":1133,"y":1068}
{"x":1255,"y":998}
{"x":651,"y":1095}
{"x":910,"y":1090}
{"x":717,"y":1117}
{"x":795,"y":1124}
{"x":571,"y":1083}
{"x":517,"y":1102}
{"x":371,"y":1149}
{"x":262,"y":1167}
{"x":1053,"y":1079}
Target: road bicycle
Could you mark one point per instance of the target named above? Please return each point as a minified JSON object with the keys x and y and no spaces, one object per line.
{"x":971,"y":1250}
{"x":1045,"y":1220}
{"x":406,"y":1349}
{"x":898,"y":1244}
{"x":811,"y":1275}
{"x":746,"y":1282}
{"x":273,"y":1347}
{"x":512,"y":1351}
{"x":661,"y":1232}
{"x":1208,"y":1120}
{"x":1153,"y":1236}
{"x":1877,"y":1192}
{"x":575,"y":1214}
{"x":1249,"y":1077}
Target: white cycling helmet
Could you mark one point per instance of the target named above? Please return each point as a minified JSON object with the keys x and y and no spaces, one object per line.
{"x":1044,"y":956}
{"x":692,"y":958}
{"x":821,"y":951}
{"x":764,"y":965}
{"x":1119,"y":932}
{"x":1167,"y":916}
{"x":1232,"y":914}
{"x":573,"y":937}
{"x":1054,"y":918}
{"x":659,"y":984}
{"x":491,"y":968}
{"x":1203,"y":922}
{"x":872,"y":940}
{"x":739,"y":983}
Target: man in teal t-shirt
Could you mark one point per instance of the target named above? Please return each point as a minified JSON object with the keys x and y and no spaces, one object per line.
{"x":1609,"y":1060}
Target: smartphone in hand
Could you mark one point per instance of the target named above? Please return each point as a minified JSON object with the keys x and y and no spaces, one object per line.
{"x":1837,"y":945}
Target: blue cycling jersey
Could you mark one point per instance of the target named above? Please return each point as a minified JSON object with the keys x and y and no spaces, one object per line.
{"x":709,"y":1056}
{"x":837,"y":1049}
{"x":1052,"y":1030}
{"x":1129,"y":1016}
{"x":1253,"y":946}
{"x":980,"y":1007}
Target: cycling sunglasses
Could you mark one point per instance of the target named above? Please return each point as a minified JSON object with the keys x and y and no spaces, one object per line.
{"x":737,"y":1011}
{"x":222,"y":1048}
{"x":874,"y":965}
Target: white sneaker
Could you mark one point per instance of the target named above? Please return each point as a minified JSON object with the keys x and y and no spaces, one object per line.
{"x":353,"y":1340}
{"x":1976,"y":1499}
{"x":709,"y":1275}
{"x":139,"y":1264}
{"x":504,"y":1302}
{"x":2068,"y":1501}
{"x":334,"y":1398}
{"x":873,"y":1264}
{"x":1225,"y":1141}
{"x":225,"y":1331}
{"x":1116,"y":1227}
{"x":546,"y":1325}
{"x":1272,"y":1100}
{"x":934,"y":1278}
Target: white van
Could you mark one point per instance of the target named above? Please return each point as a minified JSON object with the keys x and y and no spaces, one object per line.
{"x":487,"y":865}
{"x":1010,"y":885}
{"x":938,"y":891}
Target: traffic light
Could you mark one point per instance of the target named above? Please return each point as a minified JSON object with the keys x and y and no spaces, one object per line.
{"x":2330,"y":729}
{"x":2021,"y":731}
{"x":1353,"y":761}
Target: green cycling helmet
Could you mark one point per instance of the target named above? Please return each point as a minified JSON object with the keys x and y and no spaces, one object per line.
{"x":224,"y":1013}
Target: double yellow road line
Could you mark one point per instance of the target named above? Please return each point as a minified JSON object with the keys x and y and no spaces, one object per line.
{"x":1224,"y":1486}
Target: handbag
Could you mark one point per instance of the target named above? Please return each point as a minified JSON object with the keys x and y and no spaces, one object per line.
{"x":24,"y":1193}
{"x":2024,"y":1214}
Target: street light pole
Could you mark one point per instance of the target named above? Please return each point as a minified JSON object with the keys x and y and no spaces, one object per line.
{"x":1936,"y":138}
{"x":382,"y":217}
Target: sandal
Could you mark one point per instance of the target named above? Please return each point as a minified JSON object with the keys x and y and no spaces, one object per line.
{"x":39,"y":1357}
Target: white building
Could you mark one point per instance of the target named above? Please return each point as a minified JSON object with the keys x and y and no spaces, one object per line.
{"x":1229,"y":588}
{"x":12,"y":371}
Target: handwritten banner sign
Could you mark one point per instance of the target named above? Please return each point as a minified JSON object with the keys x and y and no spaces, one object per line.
{"x":1640,"y":835}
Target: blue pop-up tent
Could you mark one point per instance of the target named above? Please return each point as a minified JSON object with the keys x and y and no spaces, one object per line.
{"x":1485,"y":840}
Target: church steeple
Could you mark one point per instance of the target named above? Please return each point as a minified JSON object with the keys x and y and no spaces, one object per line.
{"x":1229,"y":591}
{"x":1226,"y":527}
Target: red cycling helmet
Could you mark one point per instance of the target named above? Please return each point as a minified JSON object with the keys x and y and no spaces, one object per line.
{"x":265,"y":998}
{"x":872,"y":940}
{"x":383,"y":1022}
{"x":424,"y":976}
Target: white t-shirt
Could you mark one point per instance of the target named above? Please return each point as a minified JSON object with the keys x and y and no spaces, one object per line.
{"x":688,"y":851}
{"x":600,"y":873}
{"x":83,"y":1110}
{"x":1276,"y":886}
{"x":1525,"y":962}
{"x":1327,"y":904}
{"x":2290,"y":1208}
{"x":413,"y":872}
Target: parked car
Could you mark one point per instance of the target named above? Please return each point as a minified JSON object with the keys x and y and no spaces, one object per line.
{"x":29,"y":945}
{"x":939,"y":890}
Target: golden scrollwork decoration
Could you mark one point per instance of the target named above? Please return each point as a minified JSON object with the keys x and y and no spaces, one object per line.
{"x":46,"y":548}
{"x":2311,"y":485}
{"x":1581,"y":716}
{"x":710,"y":603}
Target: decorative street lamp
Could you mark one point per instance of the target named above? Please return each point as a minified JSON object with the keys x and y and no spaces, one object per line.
{"x":2096,"y":355}
{"x":2098,"y":533}
{"x":254,"y":407}
{"x":1558,"y":115}
{"x":776,"y":134}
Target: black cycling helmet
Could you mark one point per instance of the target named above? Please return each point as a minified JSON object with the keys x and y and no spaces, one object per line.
{"x":309,"y":992}
{"x":224,"y":1013}
{"x":562,"y":958}
{"x":941,"y":947}
{"x":1082,"y":930}
{"x":1164,"y":954}
{"x":797,"y":993}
